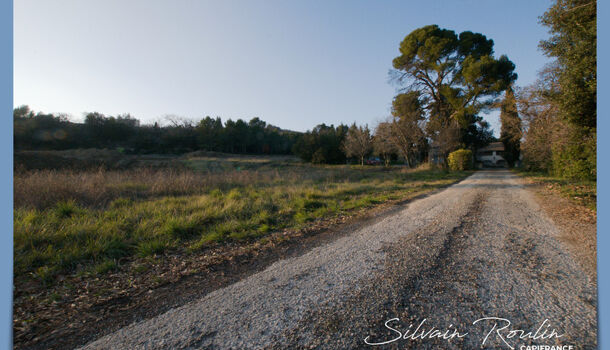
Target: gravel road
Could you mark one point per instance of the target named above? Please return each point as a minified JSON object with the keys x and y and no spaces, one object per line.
{"x":482,"y":248}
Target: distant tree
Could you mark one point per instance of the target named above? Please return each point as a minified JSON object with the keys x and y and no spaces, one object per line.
{"x":447,"y":139}
{"x":406,"y":133}
{"x":178,"y":135}
{"x":322,"y":144}
{"x":456,"y":77}
{"x":44,"y":131}
{"x":22,"y":112}
{"x":256,"y":139}
{"x":382,"y":142}
{"x":106,"y":131}
{"x":147,"y":139}
{"x":358,"y":142}
{"x":476,"y":133}
{"x":209,"y":133}
{"x":510,"y":133}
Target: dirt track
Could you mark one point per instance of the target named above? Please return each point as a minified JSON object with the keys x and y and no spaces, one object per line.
{"x":481,"y":248}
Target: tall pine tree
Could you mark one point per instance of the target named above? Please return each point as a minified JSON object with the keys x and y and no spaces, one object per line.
{"x":511,"y":132}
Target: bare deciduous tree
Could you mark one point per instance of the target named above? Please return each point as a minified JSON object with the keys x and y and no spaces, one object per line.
{"x":358,"y":142}
{"x":382,"y":142}
{"x":446,"y":139}
{"x":541,"y":125}
{"x":407,"y":134}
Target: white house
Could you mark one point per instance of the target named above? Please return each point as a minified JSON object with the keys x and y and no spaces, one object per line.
{"x":491,"y":155}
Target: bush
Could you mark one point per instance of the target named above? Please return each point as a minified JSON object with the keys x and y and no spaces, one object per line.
{"x":575,"y":157}
{"x":460,"y":159}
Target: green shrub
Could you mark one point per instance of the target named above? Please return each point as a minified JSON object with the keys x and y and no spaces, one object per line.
{"x":575,"y":159}
{"x":460,"y":159}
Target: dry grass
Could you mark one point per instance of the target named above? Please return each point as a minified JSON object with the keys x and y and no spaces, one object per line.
{"x":89,"y":221}
{"x":581,"y":192}
{"x":44,"y":188}
{"x":41,"y":189}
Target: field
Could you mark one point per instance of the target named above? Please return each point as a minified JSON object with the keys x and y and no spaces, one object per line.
{"x":85,"y":235}
{"x":69,"y":221}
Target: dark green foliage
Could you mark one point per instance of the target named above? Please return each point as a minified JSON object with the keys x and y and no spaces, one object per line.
{"x":180,"y":137}
{"x":109,"y":131}
{"x":575,"y":156}
{"x":510,"y":134}
{"x":456,"y":77}
{"x":475,"y":132}
{"x":49,"y":132}
{"x":573,"y":42}
{"x":45,"y":131}
{"x":322,"y":145}
{"x":209,"y":133}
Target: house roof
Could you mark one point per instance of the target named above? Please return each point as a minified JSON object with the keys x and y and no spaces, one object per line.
{"x":494,"y":146}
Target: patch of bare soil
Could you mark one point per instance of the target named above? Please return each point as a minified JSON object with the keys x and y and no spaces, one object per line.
{"x":81,"y":309}
{"x":578,"y":225}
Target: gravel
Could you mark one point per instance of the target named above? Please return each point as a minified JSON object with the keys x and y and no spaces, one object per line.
{"x":480,"y":248}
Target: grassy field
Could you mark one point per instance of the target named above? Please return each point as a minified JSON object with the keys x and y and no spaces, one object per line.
{"x":69,"y":222}
{"x":579,"y":191}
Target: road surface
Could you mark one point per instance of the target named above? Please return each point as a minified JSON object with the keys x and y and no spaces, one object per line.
{"x":479,"y":262}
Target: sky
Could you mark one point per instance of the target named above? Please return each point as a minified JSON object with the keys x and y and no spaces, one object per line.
{"x":294,"y":64}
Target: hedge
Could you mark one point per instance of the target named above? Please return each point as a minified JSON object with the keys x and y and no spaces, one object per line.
{"x":460,"y":159}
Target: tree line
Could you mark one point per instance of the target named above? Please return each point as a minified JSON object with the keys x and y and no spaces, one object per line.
{"x":445,"y":79}
{"x":40,"y":131}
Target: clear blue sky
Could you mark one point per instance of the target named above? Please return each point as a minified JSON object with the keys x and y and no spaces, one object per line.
{"x":294,"y":64}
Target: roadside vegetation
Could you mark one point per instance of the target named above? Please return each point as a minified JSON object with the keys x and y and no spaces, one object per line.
{"x":75,"y":222}
{"x":582,"y":192}
{"x":559,"y":110}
